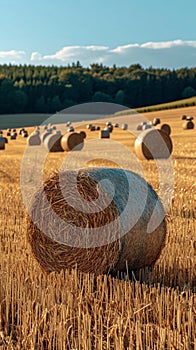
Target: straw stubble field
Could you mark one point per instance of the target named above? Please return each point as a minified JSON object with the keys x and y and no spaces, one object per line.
{"x":154,"y":308}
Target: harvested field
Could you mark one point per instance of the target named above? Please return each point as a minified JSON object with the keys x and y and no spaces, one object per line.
{"x":146,"y":309}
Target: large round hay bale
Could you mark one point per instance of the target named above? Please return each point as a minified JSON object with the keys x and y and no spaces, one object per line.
{"x":13,"y":136}
{"x":34,"y":140}
{"x":164,"y":127}
{"x":153,"y":144}
{"x":136,"y":247}
{"x":72,"y":141}
{"x":188,"y":124}
{"x":104,"y":134}
{"x":2,"y":143}
{"x":53,"y":143}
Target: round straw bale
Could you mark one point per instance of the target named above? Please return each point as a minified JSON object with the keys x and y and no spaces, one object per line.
{"x":164,"y":127}
{"x":110,"y":127}
{"x":13,"y":136}
{"x":6,"y":140}
{"x":92,"y":128}
{"x":116,"y":125}
{"x":2,"y":142}
{"x":101,"y":162}
{"x":72,"y":141}
{"x":188,"y":124}
{"x":156,"y":121}
{"x":53,"y":143}
{"x":8,"y":133}
{"x":83,"y":134}
{"x":153,"y":144}
{"x":1,"y":132}
{"x":88,"y":126}
{"x":70,"y":129}
{"x":108,"y":123}
{"x":135,"y":247}
{"x":25,"y":133}
{"x":124,"y":126}
{"x":98,"y":128}
{"x":146,"y":126}
{"x":104,"y":134}
{"x":21,"y":131}
{"x":183,"y":117}
{"x":44,"y":135}
{"x":139,"y":127}
{"x":189,"y":118}
{"x":34,"y":140}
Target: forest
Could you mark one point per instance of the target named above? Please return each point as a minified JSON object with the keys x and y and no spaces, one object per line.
{"x":48,"y":89}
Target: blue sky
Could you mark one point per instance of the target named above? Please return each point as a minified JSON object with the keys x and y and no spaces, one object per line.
{"x":157,"y":33}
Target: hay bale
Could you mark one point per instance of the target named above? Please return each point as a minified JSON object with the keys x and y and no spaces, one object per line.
{"x":8,"y":133}
{"x":34,"y":140}
{"x":2,"y":143}
{"x":72,"y":142}
{"x":108,"y":123}
{"x":183,"y":117}
{"x":21,"y":131}
{"x":6,"y":140}
{"x":188,"y":125}
{"x":124,"y":126}
{"x":53,"y":143}
{"x":92,"y":128}
{"x":104,"y":134}
{"x":98,"y":128}
{"x":1,"y":132}
{"x":83,"y":134}
{"x":110,"y":127}
{"x":189,"y":118}
{"x":44,"y":135}
{"x":139,"y":127}
{"x":25,"y":133}
{"x":164,"y":127}
{"x":88,"y":126}
{"x":153,"y":144}
{"x":116,"y":125}
{"x":156,"y":121}
{"x":70,"y":129}
{"x":13,"y":136}
{"x":146,"y":126}
{"x":135,"y":247}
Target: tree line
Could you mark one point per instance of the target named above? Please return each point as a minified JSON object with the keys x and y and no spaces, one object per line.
{"x":47,"y":89}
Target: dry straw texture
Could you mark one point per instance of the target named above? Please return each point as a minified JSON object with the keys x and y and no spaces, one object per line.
{"x":138,"y":248}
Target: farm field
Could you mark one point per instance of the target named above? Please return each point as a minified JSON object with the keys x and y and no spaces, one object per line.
{"x":154,"y":308}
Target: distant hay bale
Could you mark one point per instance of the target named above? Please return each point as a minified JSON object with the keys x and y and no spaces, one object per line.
{"x":183,"y":117}
{"x":1,"y":132}
{"x":92,"y":128}
{"x":164,"y":127}
{"x":110,"y":127}
{"x":188,"y":125}
{"x":70,"y":129}
{"x":153,"y":144}
{"x":44,"y":135}
{"x":116,"y":125}
{"x":53,"y":143}
{"x":83,"y":134}
{"x":21,"y":131}
{"x":101,"y":162}
{"x":72,"y":141}
{"x":13,"y":136}
{"x":25,"y":133}
{"x":98,"y":128}
{"x":34,"y":140}
{"x":108,"y":123}
{"x":8,"y":133}
{"x":88,"y":126}
{"x":146,"y":126}
{"x":124,"y":126}
{"x":137,"y":248}
{"x":189,"y":118}
{"x":156,"y":121}
{"x":139,"y":127}
{"x":2,"y":143}
{"x":104,"y":134}
{"x":6,"y":140}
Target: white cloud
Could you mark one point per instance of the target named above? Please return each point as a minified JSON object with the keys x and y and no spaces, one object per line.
{"x":170,"y":54}
{"x":12,"y":55}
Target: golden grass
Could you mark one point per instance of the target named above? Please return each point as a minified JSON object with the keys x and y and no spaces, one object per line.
{"x":153,"y":309}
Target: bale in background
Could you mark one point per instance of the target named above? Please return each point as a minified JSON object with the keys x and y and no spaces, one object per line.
{"x":136,"y":248}
{"x":104,"y":134}
{"x":13,"y":136}
{"x":83,"y":134}
{"x":164,"y":127}
{"x":153,"y":144}
{"x":188,"y":125}
{"x":124,"y":126}
{"x":156,"y":121}
{"x":53,"y":142}
{"x":72,"y":141}
{"x":183,"y":117}
{"x":34,"y":140}
{"x":45,"y":134}
{"x":2,"y":142}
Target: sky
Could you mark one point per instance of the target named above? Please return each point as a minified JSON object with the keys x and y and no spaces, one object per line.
{"x":152,"y":33}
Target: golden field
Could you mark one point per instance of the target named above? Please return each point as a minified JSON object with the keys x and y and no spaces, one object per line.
{"x":154,"y":308}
